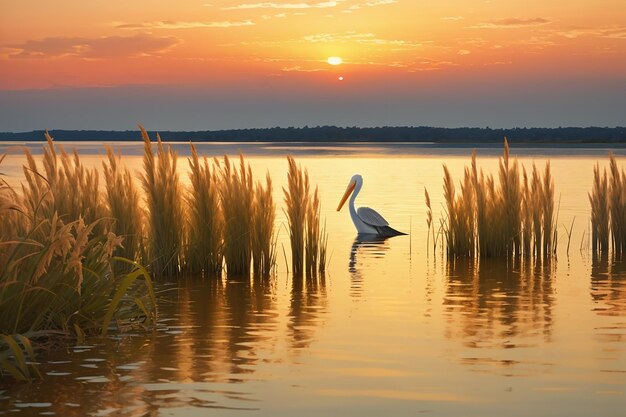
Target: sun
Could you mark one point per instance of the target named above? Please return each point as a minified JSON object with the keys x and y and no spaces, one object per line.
{"x":334,"y":60}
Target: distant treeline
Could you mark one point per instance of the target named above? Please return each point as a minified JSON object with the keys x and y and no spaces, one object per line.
{"x":348,"y":134}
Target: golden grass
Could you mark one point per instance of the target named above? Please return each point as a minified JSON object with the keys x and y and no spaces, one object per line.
{"x":237,"y":196}
{"x":57,"y":270}
{"x":296,"y":202}
{"x":123,"y":205}
{"x":308,"y":241}
{"x":205,"y":219}
{"x":164,"y":205}
{"x":608,"y":210}
{"x":502,"y":220}
{"x":263,"y":242}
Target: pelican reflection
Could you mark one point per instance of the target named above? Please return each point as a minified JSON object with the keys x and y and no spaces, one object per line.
{"x":364,"y":248}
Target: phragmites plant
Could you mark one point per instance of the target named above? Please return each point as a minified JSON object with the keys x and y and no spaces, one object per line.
{"x":608,"y":210}
{"x":511,"y":218}
{"x":308,"y":242}
{"x":123,"y":204}
{"x":263,"y":241}
{"x":237,"y":196}
{"x":205,"y":219}
{"x":57,"y":273}
{"x":164,"y":205}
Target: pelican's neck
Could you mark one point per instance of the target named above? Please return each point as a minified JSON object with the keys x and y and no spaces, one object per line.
{"x":355,"y":219}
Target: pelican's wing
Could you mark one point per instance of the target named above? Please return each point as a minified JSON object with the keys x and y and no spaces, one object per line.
{"x":371,"y":217}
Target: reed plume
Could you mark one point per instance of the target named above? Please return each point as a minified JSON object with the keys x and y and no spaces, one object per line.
{"x":487,"y":220}
{"x":598,"y":198}
{"x":263,"y":242}
{"x":296,"y":202}
{"x":57,"y":274}
{"x":123,"y":205}
{"x":205,"y":220}
{"x":163,"y":193}
{"x":237,"y":196}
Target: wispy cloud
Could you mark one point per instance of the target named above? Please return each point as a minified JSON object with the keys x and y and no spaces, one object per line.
{"x":94,"y":48}
{"x":355,"y":37}
{"x":273,"y":5}
{"x":612,"y":32}
{"x":379,"y":3}
{"x":297,"y":68}
{"x":453,"y":18}
{"x":512,"y":22}
{"x":172,"y":24}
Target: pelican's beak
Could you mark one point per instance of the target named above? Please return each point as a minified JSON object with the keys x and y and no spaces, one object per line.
{"x":349,"y":190}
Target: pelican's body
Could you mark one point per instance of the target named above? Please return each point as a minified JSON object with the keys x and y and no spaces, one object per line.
{"x":366,"y":220}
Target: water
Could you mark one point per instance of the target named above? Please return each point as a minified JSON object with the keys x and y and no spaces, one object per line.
{"x":389,"y":329}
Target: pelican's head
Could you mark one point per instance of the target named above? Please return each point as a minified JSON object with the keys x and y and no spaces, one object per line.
{"x":355,"y":181}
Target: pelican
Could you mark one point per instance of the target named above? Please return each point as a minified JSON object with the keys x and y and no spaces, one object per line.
{"x":366,"y":220}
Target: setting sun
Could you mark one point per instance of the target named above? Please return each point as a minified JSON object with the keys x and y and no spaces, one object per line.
{"x":334,"y":60}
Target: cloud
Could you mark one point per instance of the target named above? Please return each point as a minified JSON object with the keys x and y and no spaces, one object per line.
{"x":613,"y":32}
{"x":354,"y":37}
{"x":298,"y":68}
{"x":272,"y":5}
{"x":512,"y":22}
{"x":103,"y":47}
{"x":380,"y":3}
{"x":172,"y":24}
{"x":453,"y":18}
{"x":463,"y":52}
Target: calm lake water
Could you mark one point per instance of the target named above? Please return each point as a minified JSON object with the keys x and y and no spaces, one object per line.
{"x":390,"y":330}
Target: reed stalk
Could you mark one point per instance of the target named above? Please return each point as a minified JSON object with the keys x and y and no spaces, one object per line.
{"x":123,"y":205}
{"x":205,"y":219}
{"x":296,"y":202}
{"x":163,"y":193}
{"x":57,"y":275}
{"x":490,"y":220}
{"x":263,"y":242}
{"x":237,"y":197}
{"x":599,"y":200}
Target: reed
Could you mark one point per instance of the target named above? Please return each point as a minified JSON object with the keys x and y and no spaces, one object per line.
{"x":205,"y":219}
{"x":608,"y":210}
{"x":490,"y":220}
{"x":312,"y":241}
{"x":123,"y":205}
{"x":57,"y":275}
{"x":163,"y":194}
{"x":296,"y":203}
{"x":308,"y":242}
{"x":599,"y":200}
{"x":237,"y":197}
{"x":263,"y":242}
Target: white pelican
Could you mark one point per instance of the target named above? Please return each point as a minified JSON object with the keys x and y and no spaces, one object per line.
{"x":366,"y":220}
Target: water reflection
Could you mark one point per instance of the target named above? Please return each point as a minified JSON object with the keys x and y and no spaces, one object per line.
{"x":307,"y":309}
{"x":608,"y":292}
{"x":499,"y":303}
{"x":364,"y":248}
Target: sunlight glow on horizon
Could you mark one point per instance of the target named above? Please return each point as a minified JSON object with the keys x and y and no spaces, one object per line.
{"x":451,"y":50}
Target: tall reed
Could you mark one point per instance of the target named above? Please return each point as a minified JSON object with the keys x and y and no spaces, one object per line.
{"x":123,"y":205}
{"x":163,"y":194}
{"x":296,"y":202}
{"x":205,"y":219}
{"x":608,"y":210}
{"x":487,"y":220}
{"x":57,"y":274}
{"x":308,"y":241}
{"x":237,"y":196}
{"x":599,"y":200}
{"x":263,"y":242}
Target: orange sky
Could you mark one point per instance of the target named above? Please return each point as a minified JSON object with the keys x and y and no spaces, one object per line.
{"x":395,"y":43}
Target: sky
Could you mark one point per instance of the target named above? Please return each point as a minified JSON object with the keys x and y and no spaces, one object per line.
{"x":222,"y":64}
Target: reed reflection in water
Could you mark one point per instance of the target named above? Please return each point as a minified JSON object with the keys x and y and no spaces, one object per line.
{"x":608,"y":292}
{"x":499,"y":303}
